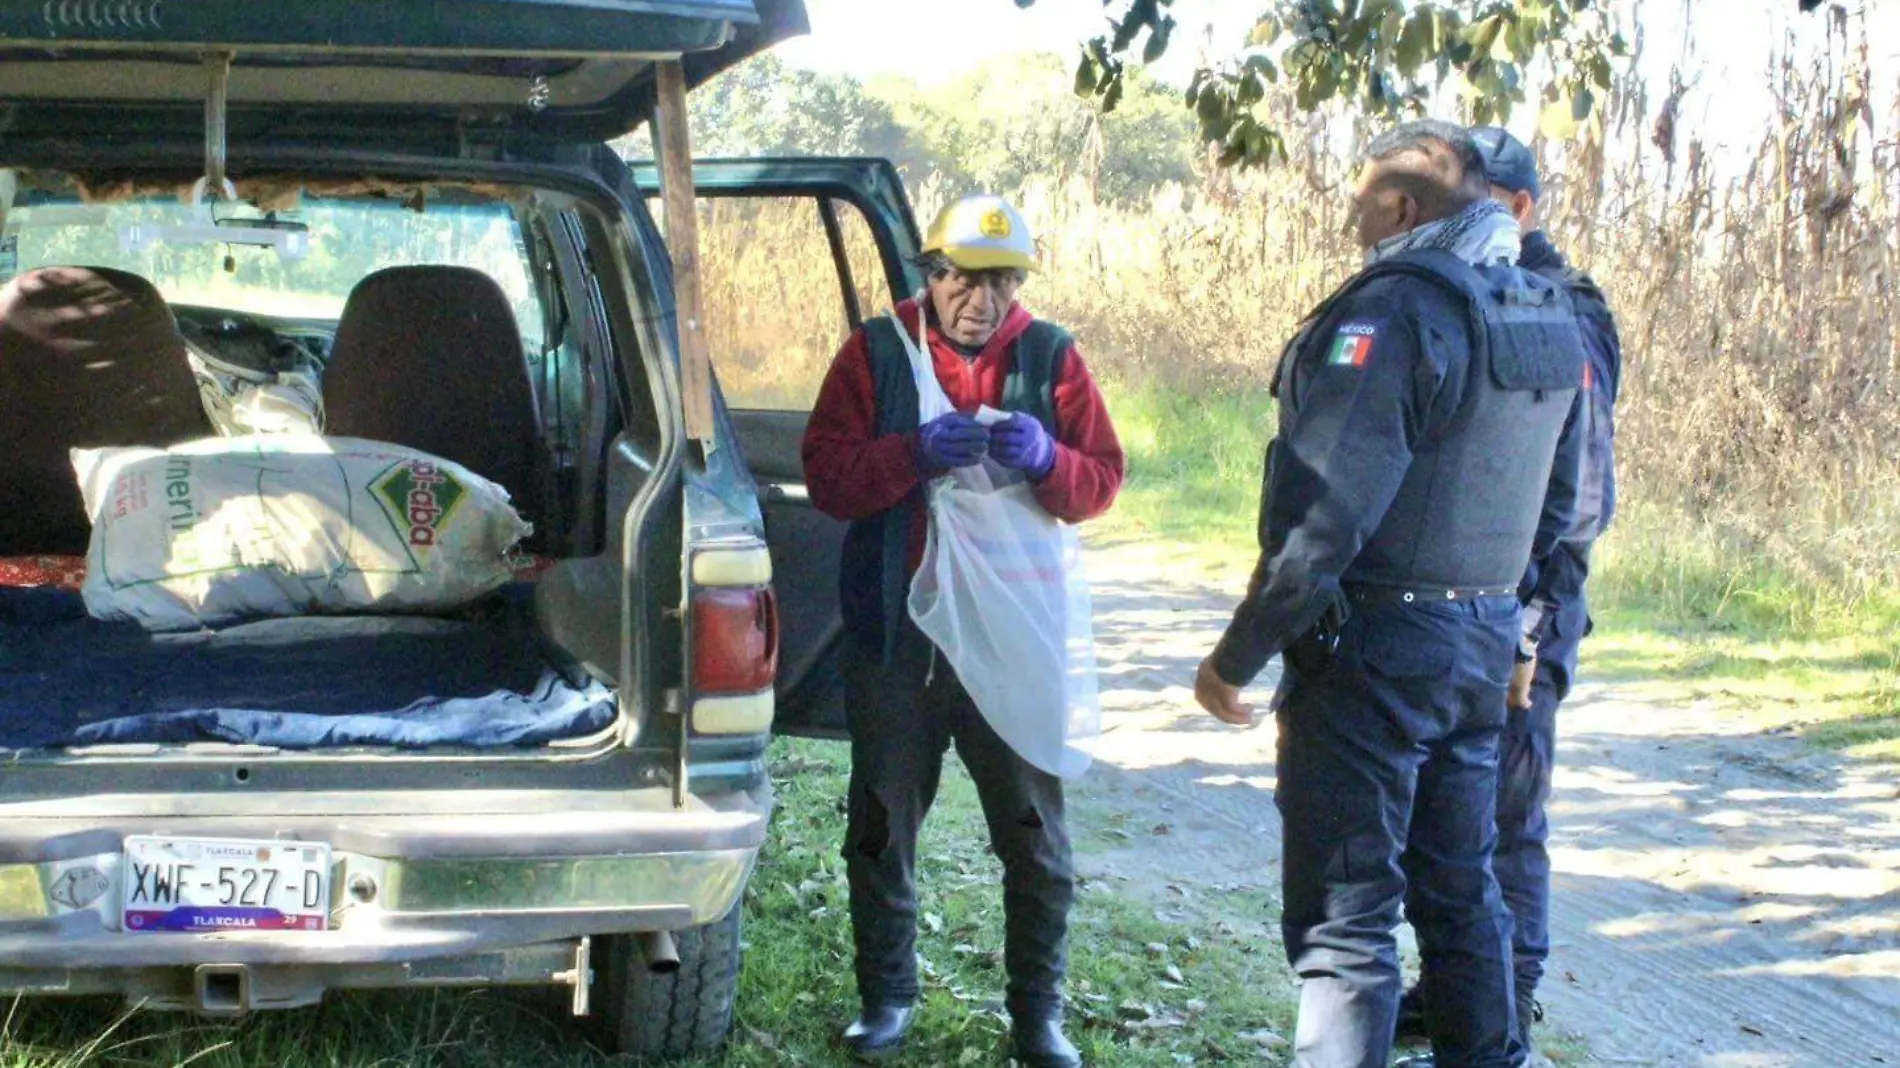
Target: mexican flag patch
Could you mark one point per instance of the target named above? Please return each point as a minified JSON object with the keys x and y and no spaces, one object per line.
{"x":1352,"y":345}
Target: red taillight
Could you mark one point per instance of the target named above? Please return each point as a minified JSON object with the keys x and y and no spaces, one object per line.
{"x":735,"y":640}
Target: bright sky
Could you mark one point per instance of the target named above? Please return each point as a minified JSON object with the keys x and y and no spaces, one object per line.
{"x":1725,"y":58}
{"x":919,"y":38}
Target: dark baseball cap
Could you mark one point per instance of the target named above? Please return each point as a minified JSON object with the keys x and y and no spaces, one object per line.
{"x":1507,"y":163}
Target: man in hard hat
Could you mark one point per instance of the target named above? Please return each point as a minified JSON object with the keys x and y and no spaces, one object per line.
{"x":1556,"y":615}
{"x":867,"y":460}
{"x":1423,"y":409}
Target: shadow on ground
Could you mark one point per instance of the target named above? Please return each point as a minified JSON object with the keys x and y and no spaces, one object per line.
{"x":1724,"y":898}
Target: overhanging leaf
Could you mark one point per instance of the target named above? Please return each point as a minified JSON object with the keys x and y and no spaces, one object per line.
{"x":1251,"y":90}
{"x":1415,"y":42}
{"x":1581,"y":101}
{"x":1390,"y":28}
{"x":1385,"y":55}
{"x":1158,"y":41}
{"x":1557,"y":122}
{"x":1085,"y":77}
{"x":1209,"y":108}
{"x":1483,"y":35}
{"x":1263,"y":66}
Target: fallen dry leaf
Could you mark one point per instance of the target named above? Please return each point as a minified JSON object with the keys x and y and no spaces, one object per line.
{"x":1265,"y":1038}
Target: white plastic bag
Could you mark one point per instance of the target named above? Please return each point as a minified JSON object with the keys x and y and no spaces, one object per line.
{"x":1002,"y":593}
{"x":287,"y":524}
{"x":242,"y":400}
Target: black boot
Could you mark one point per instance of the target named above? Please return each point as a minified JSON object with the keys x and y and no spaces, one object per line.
{"x":1411,"y":1022}
{"x":1040,"y":1042}
{"x":1528,"y":1013}
{"x":878,"y":1031}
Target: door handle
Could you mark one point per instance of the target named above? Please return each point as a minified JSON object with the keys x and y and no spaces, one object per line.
{"x":784,"y":493}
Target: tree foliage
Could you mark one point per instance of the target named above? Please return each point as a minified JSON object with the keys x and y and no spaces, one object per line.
{"x":1011,"y":119}
{"x":1384,"y":56}
{"x":1015,"y":117}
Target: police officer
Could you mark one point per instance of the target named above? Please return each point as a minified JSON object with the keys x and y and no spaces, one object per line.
{"x":1556,"y":616}
{"x":867,"y":460}
{"x":1421,"y":409}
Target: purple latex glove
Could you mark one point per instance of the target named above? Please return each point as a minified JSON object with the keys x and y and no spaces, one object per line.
{"x":952,"y":440}
{"x":1021,"y":442}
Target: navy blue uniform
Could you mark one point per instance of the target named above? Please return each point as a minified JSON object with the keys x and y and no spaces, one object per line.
{"x":1557,"y":618}
{"x":1410,"y":482}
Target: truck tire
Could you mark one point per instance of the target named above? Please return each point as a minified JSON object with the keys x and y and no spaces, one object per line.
{"x":685,"y":1013}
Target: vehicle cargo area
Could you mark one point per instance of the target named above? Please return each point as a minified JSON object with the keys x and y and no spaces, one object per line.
{"x":426,"y":320}
{"x":479,"y":677}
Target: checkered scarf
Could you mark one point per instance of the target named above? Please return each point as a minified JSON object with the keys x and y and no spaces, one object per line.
{"x":1483,"y":233}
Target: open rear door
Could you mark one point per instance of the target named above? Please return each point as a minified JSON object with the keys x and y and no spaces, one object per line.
{"x":563,"y":70}
{"x":794,"y":255}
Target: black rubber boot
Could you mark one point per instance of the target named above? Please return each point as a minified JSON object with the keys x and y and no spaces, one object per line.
{"x":878,"y":1031}
{"x":1529,"y":1011}
{"x":1411,"y":1022}
{"x":1040,"y":1043}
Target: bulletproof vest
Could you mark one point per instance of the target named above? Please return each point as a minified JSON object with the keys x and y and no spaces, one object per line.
{"x":1596,"y":502}
{"x":875,"y":578}
{"x":1468,"y":509}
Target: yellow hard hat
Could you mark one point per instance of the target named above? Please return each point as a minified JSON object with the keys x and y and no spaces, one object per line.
{"x":983,"y":233}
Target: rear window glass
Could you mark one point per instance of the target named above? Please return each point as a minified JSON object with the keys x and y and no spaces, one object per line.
{"x":341,"y":242}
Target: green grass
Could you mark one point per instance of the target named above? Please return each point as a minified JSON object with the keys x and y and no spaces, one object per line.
{"x":1125,"y":1005}
{"x":1680,"y":619}
{"x":1681,"y":614}
{"x":1207,"y":983}
{"x":1194,"y":461}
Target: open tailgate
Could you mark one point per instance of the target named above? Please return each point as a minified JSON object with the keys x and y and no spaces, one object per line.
{"x":560,"y":69}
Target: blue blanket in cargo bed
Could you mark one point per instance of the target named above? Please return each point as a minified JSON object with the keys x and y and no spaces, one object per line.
{"x":475,"y":679}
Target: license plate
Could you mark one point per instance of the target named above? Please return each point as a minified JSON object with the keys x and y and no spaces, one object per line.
{"x":224,"y":884}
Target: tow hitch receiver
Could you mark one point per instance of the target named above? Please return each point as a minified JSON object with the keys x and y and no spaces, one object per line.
{"x":223,"y":989}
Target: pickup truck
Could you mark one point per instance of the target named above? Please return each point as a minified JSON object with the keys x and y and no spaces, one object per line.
{"x":420,"y":228}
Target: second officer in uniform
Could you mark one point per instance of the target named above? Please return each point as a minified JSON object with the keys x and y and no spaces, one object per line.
{"x":1422,"y":407}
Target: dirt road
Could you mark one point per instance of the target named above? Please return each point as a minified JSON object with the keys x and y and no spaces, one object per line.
{"x":1723,"y":899}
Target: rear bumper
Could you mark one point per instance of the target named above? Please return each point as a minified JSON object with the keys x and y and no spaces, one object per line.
{"x":448,"y":898}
